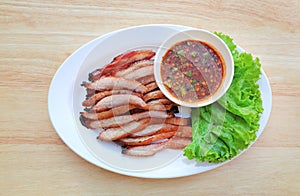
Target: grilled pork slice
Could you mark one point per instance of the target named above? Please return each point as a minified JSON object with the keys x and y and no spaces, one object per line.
{"x":178,"y":121}
{"x":149,"y":130}
{"x":121,"y":62}
{"x":155,"y":128}
{"x":160,"y":107}
{"x":177,"y":142}
{"x":145,"y":140}
{"x":117,"y":121}
{"x":133,"y":67}
{"x":98,"y":96}
{"x":153,"y":95}
{"x":140,"y":73}
{"x":107,"y":114}
{"x":152,"y":149}
{"x":119,"y":100}
{"x":142,"y":151}
{"x":147,"y":79}
{"x":184,"y":131}
{"x":172,"y":120}
{"x":162,"y":101}
{"x":151,"y":86}
{"x":109,"y":83}
{"x":123,"y":131}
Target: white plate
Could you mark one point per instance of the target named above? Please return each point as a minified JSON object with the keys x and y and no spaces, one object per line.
{"x":65,"y":118}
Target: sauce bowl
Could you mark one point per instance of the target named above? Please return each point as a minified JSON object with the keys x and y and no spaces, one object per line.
{"x":209,"y":39}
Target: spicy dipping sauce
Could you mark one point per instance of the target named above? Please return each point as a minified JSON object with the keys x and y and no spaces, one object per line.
{"x":192,"y":71}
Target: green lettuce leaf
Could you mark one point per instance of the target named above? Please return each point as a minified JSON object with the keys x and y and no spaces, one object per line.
{"x":221,"y":130}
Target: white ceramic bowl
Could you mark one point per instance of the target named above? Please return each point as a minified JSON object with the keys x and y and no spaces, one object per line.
{"x":213,"y":41}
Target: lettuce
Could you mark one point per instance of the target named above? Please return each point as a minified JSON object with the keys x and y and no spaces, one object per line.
{"x":221,"y":130}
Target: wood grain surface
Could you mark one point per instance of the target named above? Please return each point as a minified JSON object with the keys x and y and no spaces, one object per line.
{"x":37,"y":36}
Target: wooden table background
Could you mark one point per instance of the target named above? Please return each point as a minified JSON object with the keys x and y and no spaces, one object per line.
{"x":37,"y":36}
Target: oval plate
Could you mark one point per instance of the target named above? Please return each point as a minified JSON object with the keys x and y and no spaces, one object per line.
{"x":65,"y":120}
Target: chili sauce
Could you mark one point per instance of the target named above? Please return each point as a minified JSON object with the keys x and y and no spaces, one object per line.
{"x":192,"y":71}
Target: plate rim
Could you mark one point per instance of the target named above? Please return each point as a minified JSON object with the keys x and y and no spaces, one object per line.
{"x":89,"y":46}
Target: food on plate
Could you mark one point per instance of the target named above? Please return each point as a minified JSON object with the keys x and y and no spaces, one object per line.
{"x":125,"y":105}
{"x":225,"y":128}
{"x":192,"y":71}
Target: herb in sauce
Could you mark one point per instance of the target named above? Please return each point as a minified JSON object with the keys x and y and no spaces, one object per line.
{"x":192,"y":70}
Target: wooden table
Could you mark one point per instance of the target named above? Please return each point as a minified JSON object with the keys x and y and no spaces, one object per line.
{"x":37,"y":36}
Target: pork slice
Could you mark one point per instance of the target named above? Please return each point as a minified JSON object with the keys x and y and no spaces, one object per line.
{"x":123,"y":131}
{"x":119,"y":100}
{"x":114,"y":83}
{"x":144,"y":151}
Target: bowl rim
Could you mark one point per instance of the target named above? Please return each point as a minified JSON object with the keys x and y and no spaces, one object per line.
{"x":213,"y":41}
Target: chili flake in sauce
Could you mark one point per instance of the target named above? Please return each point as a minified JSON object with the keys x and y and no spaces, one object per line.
{"x":192,"y":70}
